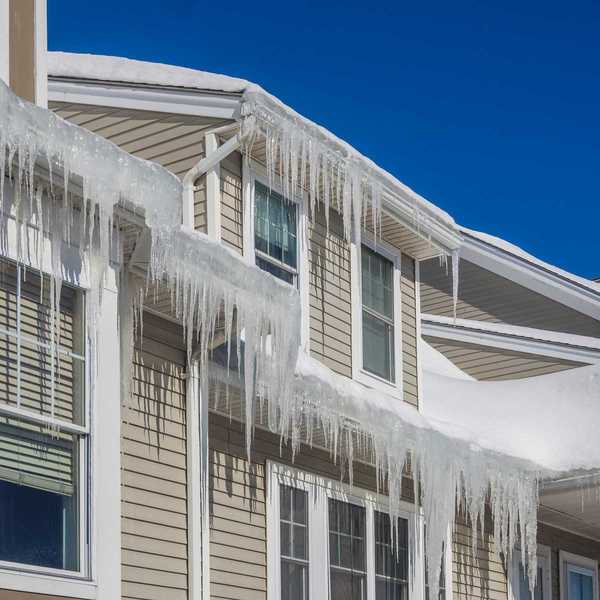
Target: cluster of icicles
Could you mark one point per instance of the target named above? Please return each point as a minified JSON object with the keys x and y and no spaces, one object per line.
{"x":215,"y":290}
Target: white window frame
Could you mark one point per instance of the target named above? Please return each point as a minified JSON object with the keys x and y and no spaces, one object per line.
{"x":35,"y":578}
{"x":580,"y":564}
{"x":252,"y":172}
{"x":359,"y":373}
{"x":320,"y":490}
{"x":544,"y":561}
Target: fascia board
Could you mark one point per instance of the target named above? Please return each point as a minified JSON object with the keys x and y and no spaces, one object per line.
{"x":196,"y":103}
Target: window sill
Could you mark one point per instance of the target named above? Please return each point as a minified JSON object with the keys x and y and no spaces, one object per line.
{"x":37,"y":583}
{"x":378,"y":383}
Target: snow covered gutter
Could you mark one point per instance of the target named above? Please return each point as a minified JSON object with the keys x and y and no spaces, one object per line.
{"x":338,"y":175}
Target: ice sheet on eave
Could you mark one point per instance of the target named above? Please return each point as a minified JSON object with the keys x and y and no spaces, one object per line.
{"x":551,"y":420}
{"x":118,"y":69}
{"x":523,"y":255}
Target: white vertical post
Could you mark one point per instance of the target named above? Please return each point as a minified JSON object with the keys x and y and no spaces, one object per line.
{"x":213,"y":190}
{"x":40,"y":54}
{"x":370,"y":547}
{"x":106,"y":452}
{"x":248,"y":212}
{"x":5,"y":41}
{"x":198,"y":485}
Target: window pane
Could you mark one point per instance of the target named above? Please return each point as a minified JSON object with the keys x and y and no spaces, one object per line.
{"x":347,"y":550}
{"x":275,"y":226}
{"x":391,"y":558}
{"x":347,"y":586}
{"x":377,"y":283}
{"x":293,"y":514}
{"x":580,"y":586}
{"x":294,"y":581}
{"x":378,"y":347}
{"x":39,"y":497}
{"x":280,"y":273}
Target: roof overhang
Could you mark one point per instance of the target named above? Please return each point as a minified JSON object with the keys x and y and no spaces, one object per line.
{"x":544,"y":281}
{"x":576,"y":348}
{"x":144,"y":97}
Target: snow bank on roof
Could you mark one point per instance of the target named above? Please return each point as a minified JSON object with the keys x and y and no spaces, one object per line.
{"x":551,"y":420}
{"x":520,"y":253}
{"x":436,"y":362}
{"x":126,"y":70}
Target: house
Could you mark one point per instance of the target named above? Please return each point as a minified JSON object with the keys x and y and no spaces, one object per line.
{"x":241,"y":361}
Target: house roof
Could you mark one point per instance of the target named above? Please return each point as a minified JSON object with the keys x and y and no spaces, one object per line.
{"x":124,"y":70}
{"x":518,"y":252}
{"x":136,"y":72}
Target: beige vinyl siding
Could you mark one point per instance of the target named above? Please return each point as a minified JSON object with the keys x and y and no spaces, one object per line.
{"x":485,"y":363}
{"x":557,"y":540}
{"x":330,"y":293}
{"x":486,"y":296}
{"x":13,"y":595}
{"x":200,"y":205}
{"x":232,"y":216}
{"x":171,"y":140}
{"x":22,"y":48}
{"x":238,"y":529}
{"x":153,"y":478}
{"x":479,"y":575}
{"x":409,"y":331}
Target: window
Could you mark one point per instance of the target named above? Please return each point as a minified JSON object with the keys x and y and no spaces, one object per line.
{"x":347,"y":551}
{"x":520,"y":578}
{"x":294,"y":543}
{"x":43,"y":435}
{"x":321,"y":535}
{"x":378,"y":338}
{"x":275,"y":234}
{"x":391,"y":567}
{"x":578,"y":577}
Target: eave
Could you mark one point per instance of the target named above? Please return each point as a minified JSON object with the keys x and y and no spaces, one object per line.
{"x":551,"y":284}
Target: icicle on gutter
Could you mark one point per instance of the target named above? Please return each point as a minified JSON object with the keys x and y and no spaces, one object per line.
{"x":212,"y":286}
{"x":450,"y":471}
{"x":301,"y":155}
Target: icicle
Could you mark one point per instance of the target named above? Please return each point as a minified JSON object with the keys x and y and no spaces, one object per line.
{"x":455,"y":281}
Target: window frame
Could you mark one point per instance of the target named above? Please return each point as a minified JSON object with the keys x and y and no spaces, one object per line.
{"x":359,"y":373}
{"x":544,"y":561}
{"x":320,"y":490}
{"x":567,"y":562}
{"x":253,"y":171}
{"x":82,"y":432}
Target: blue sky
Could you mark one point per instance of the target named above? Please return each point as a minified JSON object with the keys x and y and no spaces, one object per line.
{"x":491,"y":110}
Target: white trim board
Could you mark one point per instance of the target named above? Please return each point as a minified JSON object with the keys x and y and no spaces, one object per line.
{"x":517,"y":339}
{"x":148,"y":98}
{"x":5,"y":41}
{"x":534,"y":277}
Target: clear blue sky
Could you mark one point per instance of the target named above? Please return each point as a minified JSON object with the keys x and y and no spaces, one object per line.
{"x":489,"y":109}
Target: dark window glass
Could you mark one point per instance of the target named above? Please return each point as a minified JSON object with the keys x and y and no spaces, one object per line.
{"x":347,"y":551}
{"x":275,"y":236}
{"x":378,"y":314}
{"x":391,"y":558}
{"x":293,"y":524}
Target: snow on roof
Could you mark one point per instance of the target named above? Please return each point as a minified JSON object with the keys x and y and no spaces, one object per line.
{"x":127,"y":70}
{"x":551,"y":420}
{"x":505,"y":246}
{"x":118,"y":69}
